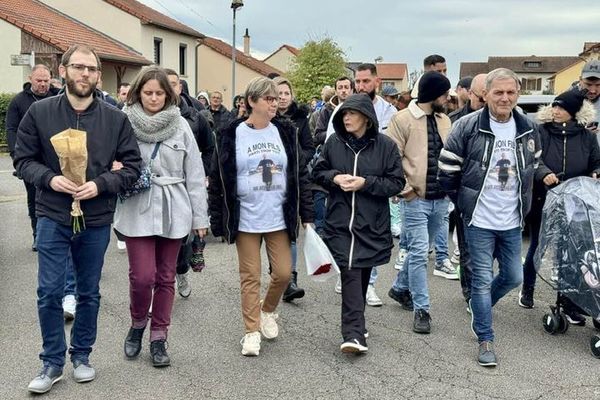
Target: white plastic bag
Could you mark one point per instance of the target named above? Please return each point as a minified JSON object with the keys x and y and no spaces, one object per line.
{"x":320,"y":264}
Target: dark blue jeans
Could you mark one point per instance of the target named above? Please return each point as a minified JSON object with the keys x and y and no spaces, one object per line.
{"x":486,"y":290}
{"x":320,"y":207}
{"x":56,"y":246}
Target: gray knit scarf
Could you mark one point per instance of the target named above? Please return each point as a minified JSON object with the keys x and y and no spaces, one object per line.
{"x":153,"y":128}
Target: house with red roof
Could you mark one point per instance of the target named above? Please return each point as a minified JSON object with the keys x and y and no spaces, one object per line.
{"x":283,"y":57}
{"x":30,"y":27}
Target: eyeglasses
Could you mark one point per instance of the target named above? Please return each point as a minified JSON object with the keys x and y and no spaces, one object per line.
{"x":269,"y":99}
{"x":481,"y":99}
{"x":81,"y":67}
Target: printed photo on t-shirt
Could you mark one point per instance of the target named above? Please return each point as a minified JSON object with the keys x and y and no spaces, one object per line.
{"x":265,"y":167}
{"x":502,"y":175}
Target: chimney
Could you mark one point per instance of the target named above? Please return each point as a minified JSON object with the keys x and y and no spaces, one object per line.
{"x":246,"y":43}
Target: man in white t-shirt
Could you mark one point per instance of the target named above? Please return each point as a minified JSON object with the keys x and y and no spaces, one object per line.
{"x":366,"y":81}
{"x":487,"y":168}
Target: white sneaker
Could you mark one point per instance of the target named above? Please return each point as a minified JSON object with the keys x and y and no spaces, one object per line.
{"x":445,"y":270}
{"x":251,"y":344}
{"x":183,"y":285}
{"x":69,"y":305}
{"x":268,"y":325}
{"x":338,"y":285}
{"x":121,"y":246}
{"x":455,"y":259}
{"x":372,"y":299}
{"x":399,"y":264}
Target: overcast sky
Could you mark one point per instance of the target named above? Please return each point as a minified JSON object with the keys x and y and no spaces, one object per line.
{"x":402,"y":31}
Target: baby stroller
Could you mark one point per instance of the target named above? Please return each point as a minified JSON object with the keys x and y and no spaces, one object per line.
{"x":568,"y":255}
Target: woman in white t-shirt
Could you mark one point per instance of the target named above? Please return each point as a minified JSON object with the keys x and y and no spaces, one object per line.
{"x":258,"y":190}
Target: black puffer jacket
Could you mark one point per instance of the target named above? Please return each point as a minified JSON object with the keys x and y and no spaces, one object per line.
{"x":568,"y":150}
{"x":433,"y":190}
{"x":222,"y":192}
{"x":202,"y":133}
{"x":109,"y":138}
{"x":299,"y":117}
{"x":357,"y":224}
{"x":17,"y":108}
{"x":222,"y":118}
{"x":465,"y":160}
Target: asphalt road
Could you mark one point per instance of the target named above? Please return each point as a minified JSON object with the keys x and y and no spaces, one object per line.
{"x":304,"y":362}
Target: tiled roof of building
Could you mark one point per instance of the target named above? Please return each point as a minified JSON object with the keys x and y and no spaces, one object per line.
{"x":60,"y":31}
{"x":394,"y":71}
{"x":291,"y":49}
{"x":473,"y":68}
{"x":248,"y":61}
{"x":149,"y":15}
{"x":523,"y":64}
{"x":589,"y":47}
{"x":518,"y":64}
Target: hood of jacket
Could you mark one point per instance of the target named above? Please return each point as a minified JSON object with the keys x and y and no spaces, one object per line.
{"x":585,"y":115}
{"x":334,"y":101}
{"x":361,"y":103}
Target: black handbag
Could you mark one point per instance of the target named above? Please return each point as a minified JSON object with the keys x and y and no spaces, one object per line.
{"x":144,"y":182}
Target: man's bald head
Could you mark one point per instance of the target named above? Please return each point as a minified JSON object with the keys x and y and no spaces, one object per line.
{"x":476,"y":92}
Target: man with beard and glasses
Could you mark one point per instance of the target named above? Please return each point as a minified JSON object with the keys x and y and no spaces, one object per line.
{"x":109,"y":136}
{"x":420,"y":130}
{"x":367,"y":81}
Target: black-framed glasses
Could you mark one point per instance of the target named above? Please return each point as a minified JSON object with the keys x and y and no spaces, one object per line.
{"x":270,"y":99}
{"x":92,"y":69}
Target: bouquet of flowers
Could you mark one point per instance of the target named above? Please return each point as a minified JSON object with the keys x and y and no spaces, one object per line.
{"x":71,"y":148}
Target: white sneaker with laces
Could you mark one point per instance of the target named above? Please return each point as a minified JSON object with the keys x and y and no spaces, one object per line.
{"x":183,"y":285}
{"x":338,"y":285}
{"x":250,"y":344}
{"x":268,"y":324}
{"x":399,"y":264}
{"x":445,"y":270}
{"x":455,"y":257}
{"x":372,"y":299}
{"x":69,"y":305}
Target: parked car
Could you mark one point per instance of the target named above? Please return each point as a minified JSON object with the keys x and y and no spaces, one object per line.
{"x":530,"y":103}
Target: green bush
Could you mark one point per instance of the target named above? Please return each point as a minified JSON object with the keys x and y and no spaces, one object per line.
{"x":5,"y":99}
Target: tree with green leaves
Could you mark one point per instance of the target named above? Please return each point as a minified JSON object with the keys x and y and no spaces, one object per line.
{"x":319,"y":63}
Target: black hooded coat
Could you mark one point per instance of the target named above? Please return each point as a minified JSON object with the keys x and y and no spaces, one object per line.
{"x":357,"y":224}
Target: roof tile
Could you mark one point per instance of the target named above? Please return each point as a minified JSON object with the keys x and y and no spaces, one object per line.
{"x":149,"y":15}
{"x":61,"y":31}
{"x":249,"y":61}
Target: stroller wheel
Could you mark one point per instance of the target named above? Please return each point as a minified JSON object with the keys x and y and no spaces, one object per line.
{"x":596,"y":323}
{"x":551,"y":323}
{"x":595,"y":345}
{"x":563,"y":323}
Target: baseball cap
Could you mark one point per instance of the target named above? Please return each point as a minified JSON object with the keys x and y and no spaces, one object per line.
{"x":389,"y":91}
{"x":591,"y":69}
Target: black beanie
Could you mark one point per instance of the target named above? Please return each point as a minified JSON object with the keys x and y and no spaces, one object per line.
{"x":571,"y":101}
{"x":431,"y":86}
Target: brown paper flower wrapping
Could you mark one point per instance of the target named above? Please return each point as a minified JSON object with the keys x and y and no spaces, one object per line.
{"x":71,"y":148}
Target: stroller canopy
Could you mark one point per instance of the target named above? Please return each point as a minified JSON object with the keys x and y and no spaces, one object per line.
{"x":567,"y":257}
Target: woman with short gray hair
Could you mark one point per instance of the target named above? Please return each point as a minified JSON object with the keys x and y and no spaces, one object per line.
{"x":258,"y":188}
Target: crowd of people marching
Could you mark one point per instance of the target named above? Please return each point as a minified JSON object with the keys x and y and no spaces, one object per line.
{"x":163,"y":168}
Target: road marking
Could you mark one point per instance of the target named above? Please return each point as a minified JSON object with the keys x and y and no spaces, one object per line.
{"x":12,"y":197}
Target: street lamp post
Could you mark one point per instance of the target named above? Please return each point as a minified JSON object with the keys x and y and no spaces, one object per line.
{"x":235,"y":4}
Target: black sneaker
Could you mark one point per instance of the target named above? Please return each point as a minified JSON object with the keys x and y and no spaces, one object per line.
{"x":487,"y":357}
{"x":574,"y":318}
{"x":355,"y":346}
{"x":403,"y":297}
{"x":526,"y":297}
{"x":422,"y":322}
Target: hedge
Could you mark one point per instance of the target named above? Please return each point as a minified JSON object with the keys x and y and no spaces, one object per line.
{"x":5,"y":99}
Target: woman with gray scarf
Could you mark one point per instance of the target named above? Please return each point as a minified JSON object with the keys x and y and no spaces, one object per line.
{"x":154,"y":221}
